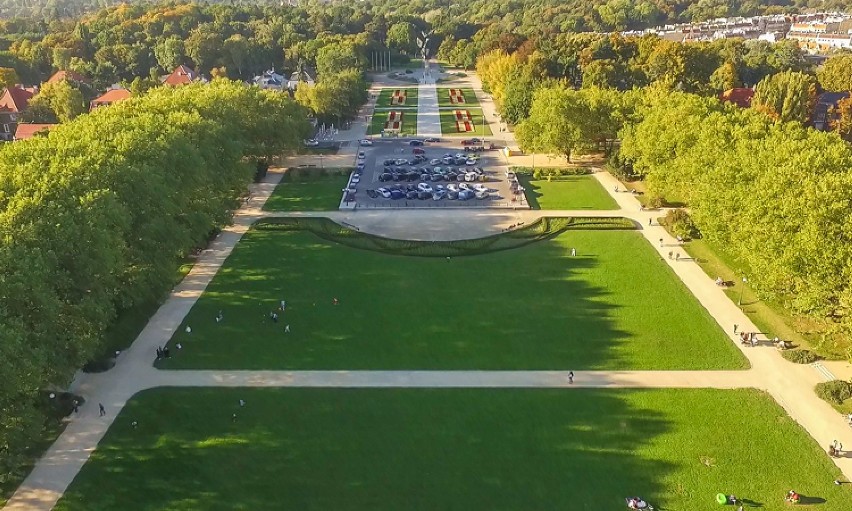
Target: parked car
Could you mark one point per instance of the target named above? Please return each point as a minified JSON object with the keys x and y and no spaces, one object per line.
{"x":418,"y":150}
{"x":361,"y":155}
{"x":372,"y":193}
{"x":453,"y":187}
{"x":366,"y":143}
{"x":439,"y":194}
{"x":481,"y":195}
{"x":470,"y":161}
{"x":411,"y":194}
{"x":384,"y":192}
{"x":451,"y":195}
{"x":423,"y":195}
{"x":397,"y":194}
{"x":479,"y":187}
{"x":386,"y":177}
{"x":434,"y":161}
{"x":311,"y":142}
{"x":423,"y":187}
{"x":470,"y":176}
{"x":360,"y":167}
{"x":466,"y":194}
{"x":431,"y":139}
{"x":415,"y":142}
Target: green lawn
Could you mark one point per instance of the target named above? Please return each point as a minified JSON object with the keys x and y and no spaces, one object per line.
{"x":454,"y":449}
{"x":615,"y":305}
{"x":384,"y":99}
{"x":566,"y":192}
{"x":380,"y":117}
{"x":469,"y":97}
{"x":449,"y":128}
{"x":308,"y":192}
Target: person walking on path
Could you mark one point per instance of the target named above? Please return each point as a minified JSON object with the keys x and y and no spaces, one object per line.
{"x":661,"y":242}
{"x":101,"y":409}
{"x":570,"y":377}
{"x":735,"y":328}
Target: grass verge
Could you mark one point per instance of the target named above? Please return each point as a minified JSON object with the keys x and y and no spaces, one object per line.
{"x":314,"y":190}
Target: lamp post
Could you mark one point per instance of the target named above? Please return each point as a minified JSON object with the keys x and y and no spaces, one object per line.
{"x":742,"y":289}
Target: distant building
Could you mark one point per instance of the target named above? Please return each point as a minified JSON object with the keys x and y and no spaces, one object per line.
{"x":70,"y":76}
{"x":109,"y":97}
{"x":740,"y":96}
{"x":271,"y":80}
{"x":13,"y":103}
{"x":824,"y":109}
{"x":182,"y":75}
{"x":304,"y":75}
{"x":27,"y":131}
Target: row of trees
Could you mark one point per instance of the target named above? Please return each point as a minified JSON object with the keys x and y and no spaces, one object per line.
{"x":96,"y":215}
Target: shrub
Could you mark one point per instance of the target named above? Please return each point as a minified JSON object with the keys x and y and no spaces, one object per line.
{"x":800,"y":356}
{"x":551,"y":172}
{"x":655,"y":202}
{"x":835,"y":391}
{"x":681,"y":224}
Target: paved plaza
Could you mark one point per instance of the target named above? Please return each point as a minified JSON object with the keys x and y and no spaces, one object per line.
{"x":791,"y":385}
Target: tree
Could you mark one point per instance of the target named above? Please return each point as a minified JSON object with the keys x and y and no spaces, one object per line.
{"x":401,"y":37}
{"x":724,"y":78}
{"x":204,"y":47}
{"x":335,"y":58}
{"x":836,"y":73}
{"x":559,"y":123}
{"x":236,"y":50}
{"x":842,"y":119}
{"x":170,"y":53}
{"x":8,"y":78}
{"x":786,"y":96}
{"x":56,"y":102}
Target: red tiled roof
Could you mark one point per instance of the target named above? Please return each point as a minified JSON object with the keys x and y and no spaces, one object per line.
{"x":110,"y":96}
{"x":16,"y":99}
{"x":26,"y":131}
{"x":182,"y":75}
{"x":740,"y":96}
{"x":67,"y":75}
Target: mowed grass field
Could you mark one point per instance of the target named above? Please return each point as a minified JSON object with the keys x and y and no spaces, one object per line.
{"x":453,"y":449}
{"x":469,"y":97}
{"x":380,"y":117}
{"x":449,"y":127}
{"x":615,"y":305}
{"x":385,"y":95}
{"x":308,"y":192}
{"x":566,"y":192}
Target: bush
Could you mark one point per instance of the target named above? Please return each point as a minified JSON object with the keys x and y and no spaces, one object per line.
{"x":680,"y":223}
{"x":655,"y":202}
{"x":835,"y":392}
{"x":551,"y":172}
{"x":800,"y":356}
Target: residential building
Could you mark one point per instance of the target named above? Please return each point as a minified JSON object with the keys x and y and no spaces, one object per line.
{"x":109,"y":97}
{"x":182,"y":75}
{"x":26,"y":131}
{"x":13,"y":103}
{"x":70,"y":76}
{"x":271,"y":80}
{"x":740,"y":96}
{"x":304,"y":75}
{"x":824,"y":109}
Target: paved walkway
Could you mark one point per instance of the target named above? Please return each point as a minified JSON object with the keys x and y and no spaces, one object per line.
{"x":790,"y":384}
{"x":428,"y":115}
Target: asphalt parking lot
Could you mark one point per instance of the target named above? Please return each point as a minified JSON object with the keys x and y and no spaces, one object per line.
{"x":446,"y":178}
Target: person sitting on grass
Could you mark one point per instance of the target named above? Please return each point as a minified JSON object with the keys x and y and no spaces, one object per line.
{"x":792,"y":497}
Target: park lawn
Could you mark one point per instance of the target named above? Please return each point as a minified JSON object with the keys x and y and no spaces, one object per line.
{"x":469,"y":97}
{"x":312,"y":192}
{"x":566,"y":192}
{"x":615,"y":305}
{"x":384,"y":99}
{"x":449,"y":128}
{"x":456,"y":449}
{"x":380,"y":117}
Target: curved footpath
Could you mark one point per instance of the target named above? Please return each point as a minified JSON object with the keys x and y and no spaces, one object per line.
{"x":790,"y":384}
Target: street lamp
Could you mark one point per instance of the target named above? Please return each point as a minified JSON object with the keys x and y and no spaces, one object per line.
{"x":742,"y":289}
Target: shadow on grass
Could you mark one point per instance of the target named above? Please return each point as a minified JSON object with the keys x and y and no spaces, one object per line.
{"x":419,"y":449}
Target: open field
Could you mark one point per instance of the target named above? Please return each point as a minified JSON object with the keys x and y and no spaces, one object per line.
{"x":449,"y":128}
{"x":308,"y":191}
{"x":566,"y":192}
{"x":460,"y":449}
{"x":615,"y":305}
{"x":468,"y":94}
{"x":385,"y":95}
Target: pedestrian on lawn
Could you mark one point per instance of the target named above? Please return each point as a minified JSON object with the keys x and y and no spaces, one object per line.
{"x":573,"y":252}
{"x":101,"y":409}
{"x":286,"y":329}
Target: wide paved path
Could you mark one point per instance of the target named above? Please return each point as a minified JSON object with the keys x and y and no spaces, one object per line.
{"x":428,"y":115}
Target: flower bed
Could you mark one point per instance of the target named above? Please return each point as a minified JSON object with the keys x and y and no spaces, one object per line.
{"x":398,"y":97}
{"x":394,"y":121}
{"x":456,"y":97}
{"x":464,"y":126}
{"x":462,"y":115}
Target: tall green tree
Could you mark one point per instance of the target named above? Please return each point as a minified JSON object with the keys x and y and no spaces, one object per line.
{"x":786,"y":96}
{"x":836,"y":73}
{"x":56,"y":102}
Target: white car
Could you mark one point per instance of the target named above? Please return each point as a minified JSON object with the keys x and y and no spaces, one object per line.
{"x":311,"y":142}
{"x":423,"y":187}
{"x":355,"y":179}
{"x":470,"y":161}
{"x":481,"y":195}
{"x":479,"y":187}
{"x":453,"y":187}
{"x":384,"y":192}
{"x":434,"y":161}
{"x":470,"y":176}
{"x":464,"y":186}
{"x":366,"y":143}
{"x":447,"y":160}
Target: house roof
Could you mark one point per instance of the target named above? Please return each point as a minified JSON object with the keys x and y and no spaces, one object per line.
{"x":25,"y":131}
{"x":111,"y":96}
{"x":820,"y":118}
{"x":740,"y":96}
{"x":181,"y":76}
{"x":67,"y":75}
{"x":16,"y":99}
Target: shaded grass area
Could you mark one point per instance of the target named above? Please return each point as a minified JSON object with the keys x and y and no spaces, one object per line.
{"x":385,"y":95}
{"x":380,"y":117}
{"x":469,"y":97}
{"x":449,"y":128}
{"x":458,"y":449}
{"x":308,"y":192}
{"x":566,"y":192}
{"x":613,"y":306}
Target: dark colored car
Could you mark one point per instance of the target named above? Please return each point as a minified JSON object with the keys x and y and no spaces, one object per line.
{"x":397,"y":194}
{"x":424,"y":195}
{"x":386,"y":177}
{"x":411,"y":195}
{"x":372,"y":193}
{"x":415,"y":142}
{"x":431,"y":139}
{"x":418,"y":150}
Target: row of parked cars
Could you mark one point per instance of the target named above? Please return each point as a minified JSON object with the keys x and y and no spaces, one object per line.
{"x":434,"y":174}
{"x":425,"y":191}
